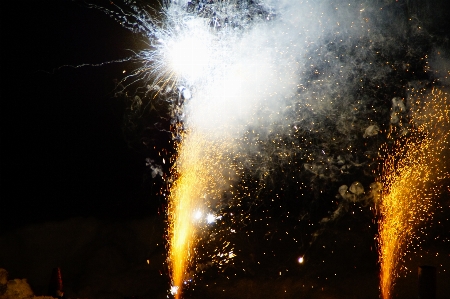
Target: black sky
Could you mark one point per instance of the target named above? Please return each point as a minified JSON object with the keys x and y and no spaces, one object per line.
{"x":63,"y":153}
{"x":73,"y":194}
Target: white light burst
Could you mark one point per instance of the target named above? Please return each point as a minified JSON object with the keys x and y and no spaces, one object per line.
{"x":188,"y":53}
{"x":210,"y":218}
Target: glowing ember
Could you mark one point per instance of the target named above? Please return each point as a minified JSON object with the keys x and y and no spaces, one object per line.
{"x":410,"y":178}
{"x":210,"y":218}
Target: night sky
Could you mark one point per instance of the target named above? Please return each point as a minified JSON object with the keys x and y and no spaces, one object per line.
{"x":68,"y":173}
{"x":76,"y":192}
{"x":63,"y":149}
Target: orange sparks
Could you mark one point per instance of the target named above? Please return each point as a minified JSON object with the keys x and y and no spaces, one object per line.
{"x":200,"y":177}
{"x":412,"y":176}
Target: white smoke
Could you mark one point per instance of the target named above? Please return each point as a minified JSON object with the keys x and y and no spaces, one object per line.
{"x":253,"y":73}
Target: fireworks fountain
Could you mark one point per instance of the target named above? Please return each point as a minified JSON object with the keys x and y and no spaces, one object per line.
{"x":413,"y":176}
{"x":198,"y":184}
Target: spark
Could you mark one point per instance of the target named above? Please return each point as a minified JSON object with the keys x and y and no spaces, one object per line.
{"x":198,"y":215}
{"x":412,"y":176}
{"x":210,"y":218}
{"x":174,"y":290}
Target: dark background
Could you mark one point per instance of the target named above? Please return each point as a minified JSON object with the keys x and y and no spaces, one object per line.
{"x":74,"y":193}
{"x":63,"y":152}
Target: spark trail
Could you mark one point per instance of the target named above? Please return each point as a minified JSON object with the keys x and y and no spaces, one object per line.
{"x":413,"y":176}
{"x":201,"y":175}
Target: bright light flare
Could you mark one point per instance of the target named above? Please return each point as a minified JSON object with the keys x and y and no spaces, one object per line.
{"x":300,"y":260}
{"x":189,"y":52}
{"x":174,"y":290}
{"x":198,"y":215}
{"x":210,"y":218}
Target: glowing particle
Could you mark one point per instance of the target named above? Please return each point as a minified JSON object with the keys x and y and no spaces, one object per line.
{"x":174,"y":290}
{"x":198,"y":215}
{"x":210,"y":218}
